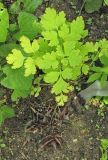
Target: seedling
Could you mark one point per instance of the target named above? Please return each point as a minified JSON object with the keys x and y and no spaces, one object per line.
{"x":103,"y":148}
{"x":60,"y":54}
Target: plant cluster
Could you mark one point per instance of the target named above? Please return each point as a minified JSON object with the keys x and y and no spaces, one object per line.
{"x":51,"y":49}
{"x":16,"y":21}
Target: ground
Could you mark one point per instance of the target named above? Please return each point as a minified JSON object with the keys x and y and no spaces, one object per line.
{"x":81,"y":128}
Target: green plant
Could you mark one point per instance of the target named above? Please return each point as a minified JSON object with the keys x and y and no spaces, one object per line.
{"x":105,"y":100}
{"x":2,"y":145}
{"x":106,"y":2}
{"x":5,"y":112}
{"x":52,"y":50}
{"x":26,"y":24}
{"x":23,"y":22}
{"x":100,"y":72}
{"x":103,"y":148}
{"x":4,"y":23}
{"x":94,"y":5}
{"x":61,"y":54}
{"x":25,"y":5}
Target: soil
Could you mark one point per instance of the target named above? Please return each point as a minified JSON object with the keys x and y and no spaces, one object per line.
{"x":81,"y":128}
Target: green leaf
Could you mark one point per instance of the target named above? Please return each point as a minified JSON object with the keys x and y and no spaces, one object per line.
{"x":48,"y":61}
{"x":105,"y":100}
{"x":28,"y":25}
{"x":27,"y":46}
{"x":61,"y":99}
{"x":68,"y":47}
{"x":104,"y":70}
{"x":13,"y":27}
{"x":103,"y":43}
{"x":75,"y":59}
{"x":6,"y":112}
{"x":16,"y":80}
{"x":4,"y":23}
{"x":104,"y":60}
{"x":64,"y":62}
{"x":88,"y":47}
{"x":59,"y":52}
{"x":97,"y":69}
{"x":51,"y":77}
{"x":28,"y":6}
{"x":85,"y":69}
{"x":30,"y":67}
{"x":15,"y":7}
{"x":64,"y":31}
{"x":106,"y":2}
{"x":16,"y":58}
{"x":43,"y":46}
{"x":77,"y":29}
{"x":67,"y":73}
{"x":103,"y":80}
{"x":31,"y":5}
{"x":76,"y":72}
{"x":5,"y":49}
{"x":2,"y":146}
{"x":51,"y":20}
{"x":93,"y":5}
{"x":16,"y":94}
{"x":94,"y":77}
{"x":52,"y":37}
{"x":61,"y":87}
{"x":35,"y":45}
{"x":60,"y":19}
{"x":104,"y":143}
{"x":36,"y":91}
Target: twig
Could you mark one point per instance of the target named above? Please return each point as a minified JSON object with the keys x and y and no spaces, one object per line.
{"x":82,"y":7}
